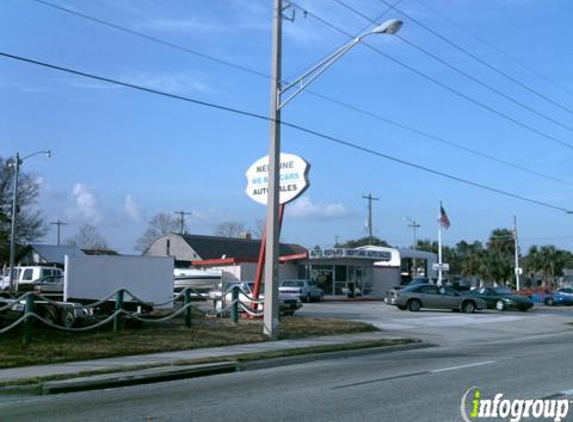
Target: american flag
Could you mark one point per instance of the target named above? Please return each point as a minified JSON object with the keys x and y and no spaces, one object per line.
{"x":444,"y":220}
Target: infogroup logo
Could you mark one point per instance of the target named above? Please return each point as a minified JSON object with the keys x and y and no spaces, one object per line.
{"x":475,"y":407}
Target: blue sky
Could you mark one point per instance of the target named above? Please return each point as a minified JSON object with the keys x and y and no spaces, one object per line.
{"x":121,"y":156}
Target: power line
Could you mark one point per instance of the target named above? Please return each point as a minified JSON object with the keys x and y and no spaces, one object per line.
{"x":444,"y":85}
{"x":294,"y":126}
{"x":462,"y":72}
{"x":478,"y":59}
{"x":496,"y":48}
{"x":310,"y":92}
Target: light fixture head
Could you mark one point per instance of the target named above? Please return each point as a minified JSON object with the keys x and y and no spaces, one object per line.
{"x":389,"y":27}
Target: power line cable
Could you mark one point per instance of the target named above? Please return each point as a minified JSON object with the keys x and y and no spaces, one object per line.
{"x":153,"y":39}
{"x":294,"y":126}
{"x":442,"y":84}
{"x":309,"y":91}
{"x":461,"y":72}
{"x":480,"y":60}
{"x":496,"y":48}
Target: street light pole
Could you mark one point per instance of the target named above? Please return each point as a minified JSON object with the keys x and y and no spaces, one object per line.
{"x":271,"y":312}
{"x":15,"y":164}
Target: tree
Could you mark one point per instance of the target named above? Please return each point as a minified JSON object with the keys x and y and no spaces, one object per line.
{"x":88,"y":237}
{"x":30,"y":225}
{"x":364,"y":242}
{"x":160,"y":225}
{"x":547,"y":262}
{"x":230,"y":229}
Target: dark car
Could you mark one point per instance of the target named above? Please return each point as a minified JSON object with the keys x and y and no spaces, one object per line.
{"x":502,"y":298}
{"x":563,"y":296}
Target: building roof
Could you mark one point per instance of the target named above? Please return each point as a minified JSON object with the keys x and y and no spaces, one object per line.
{"x":215,"y":247}
{"x":54,"y":254}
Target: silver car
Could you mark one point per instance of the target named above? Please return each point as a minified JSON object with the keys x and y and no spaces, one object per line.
{"x":432,"y":296}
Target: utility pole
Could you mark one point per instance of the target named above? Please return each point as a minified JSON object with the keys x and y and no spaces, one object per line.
{"x":182,"y":215}
{"x":517,"y":269}
{"x":370,"y":198}
{"x":59,"y":223}
{"x":336,"y":237}
{"x":414,"y":226}
{"x":271,"y":308}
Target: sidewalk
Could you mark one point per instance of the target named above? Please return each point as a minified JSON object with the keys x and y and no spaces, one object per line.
{"x":171,"y":365}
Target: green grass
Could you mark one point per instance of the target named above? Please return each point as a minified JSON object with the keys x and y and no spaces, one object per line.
{"x":48,"y":346}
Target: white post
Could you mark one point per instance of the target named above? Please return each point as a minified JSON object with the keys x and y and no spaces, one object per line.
{"x":440,"y":276}
{"x":271,"y":311}
{"x":517,"y":269}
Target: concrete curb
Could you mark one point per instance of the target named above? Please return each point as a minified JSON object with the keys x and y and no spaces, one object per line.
{"x":145,"y":376}
{"x":342,"y":354}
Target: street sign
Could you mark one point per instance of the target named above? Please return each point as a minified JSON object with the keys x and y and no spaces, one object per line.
{"x":444,"y":267}
{"x":293,"y":175}
{"x":519,"y":271}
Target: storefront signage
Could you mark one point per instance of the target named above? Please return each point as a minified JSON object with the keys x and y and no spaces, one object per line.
{"x":293,"y":175}
{"x":349,"y":253}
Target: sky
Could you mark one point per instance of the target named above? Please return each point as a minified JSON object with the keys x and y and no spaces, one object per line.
{"x":470,"y":103}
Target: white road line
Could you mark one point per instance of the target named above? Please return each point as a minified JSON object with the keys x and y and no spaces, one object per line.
{"x":469,"y":365}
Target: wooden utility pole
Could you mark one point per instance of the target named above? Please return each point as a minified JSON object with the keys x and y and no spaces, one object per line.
{"x":370,"y":198}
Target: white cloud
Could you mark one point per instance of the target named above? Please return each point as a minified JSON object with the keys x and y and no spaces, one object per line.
{"x":86,"y":205}
{"x":305,"y":209}
{"x":174,"y":82}
{"x":132,"y":210}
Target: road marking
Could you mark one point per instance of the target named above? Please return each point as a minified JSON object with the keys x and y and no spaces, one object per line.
{"x":356,"y":384}
{"x":469,"y":365}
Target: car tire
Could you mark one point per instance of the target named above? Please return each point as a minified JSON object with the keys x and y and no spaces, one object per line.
{"x":468,"y":307}
{"x":51,"y":314}
{"x":550,"y":302}
{"x":499,"y":305}
{"x":414,"y":305}
{"x":307,"y":299}
{"x":401,"y":307}
{"x":67,"y":317}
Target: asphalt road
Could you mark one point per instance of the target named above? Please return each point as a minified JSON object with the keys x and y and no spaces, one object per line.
{"x":416,"y":385}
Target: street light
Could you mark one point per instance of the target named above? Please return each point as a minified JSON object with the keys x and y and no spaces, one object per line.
{"x":270,"y":320}
{"x":15,"y":163}
{"x":414,"y":226}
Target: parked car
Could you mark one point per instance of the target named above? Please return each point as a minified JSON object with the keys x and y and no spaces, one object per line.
{"x":48,"y":285}
{"x":562,"y":296}
{"x":432,"y":296}
{"x":501,"y":298}
{"x":289,"y":303}
{"x":305,"y":289}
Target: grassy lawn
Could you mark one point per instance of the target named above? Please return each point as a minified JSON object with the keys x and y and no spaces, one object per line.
{"x":49,"y":346}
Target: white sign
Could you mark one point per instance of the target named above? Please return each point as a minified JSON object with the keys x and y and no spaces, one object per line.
{"x":443,"y":267}
{"x":293,"y":176}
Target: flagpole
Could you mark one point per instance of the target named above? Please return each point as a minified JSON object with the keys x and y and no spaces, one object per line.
{"x":440,"y":276}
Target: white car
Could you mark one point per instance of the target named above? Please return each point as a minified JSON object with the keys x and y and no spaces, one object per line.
{"x":288,"y":303}
{"x":305,"y":289}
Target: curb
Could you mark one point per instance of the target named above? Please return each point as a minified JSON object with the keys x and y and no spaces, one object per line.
{"x":146,"y":376}
{"x":343,"y":354}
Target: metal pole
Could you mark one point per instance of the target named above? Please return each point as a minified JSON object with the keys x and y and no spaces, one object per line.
{"x":16,"y":163}
{"x":516,"y":253}
{"x":271,"y":314}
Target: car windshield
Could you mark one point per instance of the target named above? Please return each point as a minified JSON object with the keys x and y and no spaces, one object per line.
{"x":293,"y":283}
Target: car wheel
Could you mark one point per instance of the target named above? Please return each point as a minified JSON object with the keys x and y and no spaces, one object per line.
{"x":401,"y":307}
{"x":307,"y":299}
{"x":499,"y":305}
{"x":549,"y":302}
{"x":67,"y":317}
{"x":468,"y":307}
{"x":51,"y":314}
{"x":414,"y":305}
{"x":321,"y":297}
